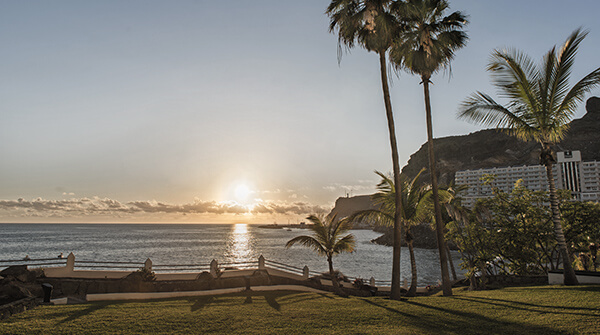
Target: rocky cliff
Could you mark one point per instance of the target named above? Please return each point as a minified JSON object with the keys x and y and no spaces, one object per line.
{"x":494,"y":148}
{"x":347,"y":206}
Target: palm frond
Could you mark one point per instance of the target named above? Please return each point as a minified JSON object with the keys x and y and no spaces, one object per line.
{"x":565,"y":61}
{"x":514,"y":73}
{"x":373,"y":215}
{"x":483,"y":109}
{"x":307,"y":241}
{"x":345,"y":244}
{"x":429,"y":39}
{"x":540,"y":103}
{"x":578,"y":91}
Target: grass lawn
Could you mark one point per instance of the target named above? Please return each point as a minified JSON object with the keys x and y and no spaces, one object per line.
{"x":523,"y":310}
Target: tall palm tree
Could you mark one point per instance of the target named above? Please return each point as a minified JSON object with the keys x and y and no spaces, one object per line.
{"x":416,"y":208}
{"x":327,"y":240}
{"x":371,"y":25}
{"x":426,"y":46}
{"x":540,"y":107}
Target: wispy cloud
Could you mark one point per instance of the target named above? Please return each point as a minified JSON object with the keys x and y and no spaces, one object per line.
{"x":363,"y":186}
{"x":109,"y":207}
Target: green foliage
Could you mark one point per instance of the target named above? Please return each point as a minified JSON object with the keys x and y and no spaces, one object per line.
{"x":513,"y":233}
{"x":581,"y":221}
{"x":417,"y":207}
{"x":145,"y":274}
{"x":473,"y":239}
{"x":429,"y":38}
{"x":368,"y":23}
{"x":521,"y":230}
{"x":415,"y":199}
{"x":327,"y":239}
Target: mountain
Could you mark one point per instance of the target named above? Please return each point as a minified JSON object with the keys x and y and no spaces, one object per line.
{"x":494,"y":148}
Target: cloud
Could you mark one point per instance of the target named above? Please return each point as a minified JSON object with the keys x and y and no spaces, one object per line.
{"x":299,"y":208}
{"x":364,"y":186}
{"x":104,"y":206}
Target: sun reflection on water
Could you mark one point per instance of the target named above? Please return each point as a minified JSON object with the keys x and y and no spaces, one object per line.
{"x":239,"y":244}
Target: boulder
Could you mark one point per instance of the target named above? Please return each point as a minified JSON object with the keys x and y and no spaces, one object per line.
{"x":18,"y":272}
{"x":12,"y":290}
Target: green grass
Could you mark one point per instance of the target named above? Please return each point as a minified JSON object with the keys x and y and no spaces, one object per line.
{"x":523,"y":310}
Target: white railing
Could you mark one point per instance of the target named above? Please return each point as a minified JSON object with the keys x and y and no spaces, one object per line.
{"x":72,"y":268}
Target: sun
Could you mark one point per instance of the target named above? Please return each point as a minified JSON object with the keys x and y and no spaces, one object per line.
{"x":242,"y":193}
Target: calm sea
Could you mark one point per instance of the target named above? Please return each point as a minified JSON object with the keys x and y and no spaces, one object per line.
{"x":200,"y":243}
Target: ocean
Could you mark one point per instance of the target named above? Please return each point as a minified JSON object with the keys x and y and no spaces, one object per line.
{"x":201,"y":243}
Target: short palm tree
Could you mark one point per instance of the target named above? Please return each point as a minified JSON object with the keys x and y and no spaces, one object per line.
{"x":426,"y":46}
{"x":416,"y":209}
{"x":540,"y":107}
{"x":327,"y":239}
{"x":370,"y":24}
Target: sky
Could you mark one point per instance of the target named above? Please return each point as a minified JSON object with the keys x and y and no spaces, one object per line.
{"x":224,"y":111}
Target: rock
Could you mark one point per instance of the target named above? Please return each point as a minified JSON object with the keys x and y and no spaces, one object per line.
{"x":12,"y":291}
{"x":18,"y":272}
{"x":347,"y":206}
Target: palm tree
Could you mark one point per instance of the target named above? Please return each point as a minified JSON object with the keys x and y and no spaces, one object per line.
{"x":327,"y":240}
{"x":427,"y":45}
{"x":416,"y":208}
{"x":540,"y":107}
{"x":370,"y":24}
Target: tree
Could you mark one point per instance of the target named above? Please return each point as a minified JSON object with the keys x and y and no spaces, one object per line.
{"x":540,"y":106}
{"x":473,"y":240}
{"x":370,"y":24}
{"x":426,"y":45}
{"x":581,"y":221}
{"x":327,"y":240}
{"x":522,"y":236}
{"x":416,"y":209}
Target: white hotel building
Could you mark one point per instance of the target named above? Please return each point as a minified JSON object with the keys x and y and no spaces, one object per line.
{"x":581,"y":178}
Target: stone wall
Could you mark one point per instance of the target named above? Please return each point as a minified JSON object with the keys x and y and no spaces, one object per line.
{"x":74,"y":287}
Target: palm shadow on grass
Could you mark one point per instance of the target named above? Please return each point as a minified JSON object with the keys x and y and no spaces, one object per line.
{"x":90,"y":309}
{"x":525,"y":306}
{"x":390,"y":309}
{"x":451,"y":320}
{"x":271,"y":297}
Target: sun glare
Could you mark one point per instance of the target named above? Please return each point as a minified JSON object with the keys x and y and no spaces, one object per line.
{"x":242,"y":193}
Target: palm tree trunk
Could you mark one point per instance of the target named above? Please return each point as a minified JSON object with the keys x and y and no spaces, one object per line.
{"x":332,"y":274}
{"x":451,"y":262}
{"x":439,"y":225}
{"x":413,"y":268}
{"x":395,"y":290}
{"x":483,"y":269}
{"x":569,"y":276}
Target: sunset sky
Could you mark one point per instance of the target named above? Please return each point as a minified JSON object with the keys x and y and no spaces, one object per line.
{"x":223,"y":111}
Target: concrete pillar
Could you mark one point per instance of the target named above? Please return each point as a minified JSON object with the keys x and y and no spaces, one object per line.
{"x":261,"y":262}
{"x":372,"y":281}
{"x":214,"y":268}
{"x":71,"y":262}
{"x":305,"y":272}
{"x":148,"y":264}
